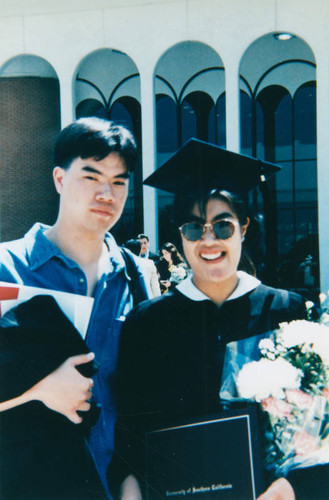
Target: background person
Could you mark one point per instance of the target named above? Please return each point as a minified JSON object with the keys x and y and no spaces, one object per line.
{"x":173,"y":347}
{"x":147,"y":265}
{"x":176,"y":266}
{"x":145,"y":248}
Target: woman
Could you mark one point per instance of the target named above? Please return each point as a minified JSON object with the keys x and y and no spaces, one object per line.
{"x":177,"y":269}
{"x":173,"y":348}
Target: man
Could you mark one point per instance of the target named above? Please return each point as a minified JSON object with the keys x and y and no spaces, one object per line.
{"x":148,"y":267}
{"x":93,"y":160}
{"x":145,"y":248}
{"x":160,"y":263}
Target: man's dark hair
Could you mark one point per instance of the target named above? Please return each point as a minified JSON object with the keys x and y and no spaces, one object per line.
{"x":134,"y":245}
{"x":94,"y":138}
{"x":141,"y":236}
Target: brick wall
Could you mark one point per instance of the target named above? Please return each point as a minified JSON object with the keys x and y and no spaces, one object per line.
{"x":29,"y":124}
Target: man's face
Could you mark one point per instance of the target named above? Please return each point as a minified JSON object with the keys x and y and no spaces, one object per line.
{"x":145,"y":245}
{"x":93,"y":193}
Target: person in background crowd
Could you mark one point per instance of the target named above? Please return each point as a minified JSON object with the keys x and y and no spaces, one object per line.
{"x":93,"y":159}
{"x":174,"y":347}
{"x":149,"y":270}
{"x":145,"y":252}
{"x":176,"y":266}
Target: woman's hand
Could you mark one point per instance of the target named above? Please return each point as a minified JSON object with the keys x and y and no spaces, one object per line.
{"x":130,"y":489}
{"x":281,"y":489}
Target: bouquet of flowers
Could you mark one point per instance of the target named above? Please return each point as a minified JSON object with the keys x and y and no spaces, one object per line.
{"x":290,"y":381}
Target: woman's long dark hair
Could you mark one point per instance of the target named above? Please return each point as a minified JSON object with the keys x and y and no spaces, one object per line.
{"x":176,"y":257}
{"x":185,"y":202}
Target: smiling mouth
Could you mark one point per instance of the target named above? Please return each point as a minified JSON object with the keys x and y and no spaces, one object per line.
{"x":213,"y":256}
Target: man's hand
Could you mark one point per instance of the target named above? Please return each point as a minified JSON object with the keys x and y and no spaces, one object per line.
{"x":65,"y":390}
{"x":281,"y":489}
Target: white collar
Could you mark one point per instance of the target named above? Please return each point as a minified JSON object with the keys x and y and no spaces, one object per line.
{"x":246,"y":284}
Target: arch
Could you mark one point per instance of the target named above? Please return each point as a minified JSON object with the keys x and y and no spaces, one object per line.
{"x":266,"y":55}
{"x":189,"y":66}
{"x":29,"y":124}
{"x":278,"y":117}
{"x":25,"y":65}
{"x":106,"y":75}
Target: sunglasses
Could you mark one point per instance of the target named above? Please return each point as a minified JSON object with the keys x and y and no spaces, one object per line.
{"x":222,"y":229}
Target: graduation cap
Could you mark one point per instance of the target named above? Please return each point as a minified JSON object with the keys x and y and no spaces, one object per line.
{"x":200,"y":166}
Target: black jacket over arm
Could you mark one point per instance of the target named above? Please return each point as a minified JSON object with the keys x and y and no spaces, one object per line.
{"x":170,"y":363}
{"x":43,"y":454}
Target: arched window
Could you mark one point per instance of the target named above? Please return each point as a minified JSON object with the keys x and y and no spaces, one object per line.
{"x":166,"y":124}
{"x":90,"y":107}
{"x":189,"y":121}
{"x":246,"y":123}
{"x":195,"y":112}
{"x":220,"y":121}
{"x":278,"y":117}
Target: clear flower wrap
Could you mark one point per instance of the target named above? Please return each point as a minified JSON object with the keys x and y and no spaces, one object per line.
{"x":287,"y":373}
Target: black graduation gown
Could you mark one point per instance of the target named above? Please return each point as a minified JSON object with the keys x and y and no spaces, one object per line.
{"x":43,"y":455}
{"x":170,"y":362}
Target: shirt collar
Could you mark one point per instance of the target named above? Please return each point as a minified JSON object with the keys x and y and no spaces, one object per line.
{"x":246,"y":284}
{"x":40,"y":250}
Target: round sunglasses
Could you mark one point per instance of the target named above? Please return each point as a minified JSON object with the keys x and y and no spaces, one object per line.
{"x":222,"y":229}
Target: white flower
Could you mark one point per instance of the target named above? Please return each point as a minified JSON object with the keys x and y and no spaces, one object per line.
{"x":324,"y":318}
{"x":177,"y":274}
{"x":315,"y":335}
{"x":321,"y":346}
{"x":261,"y":379}
{"x":266,"y":344}
{"x":322,"y":297}
{"x":309,"y":304}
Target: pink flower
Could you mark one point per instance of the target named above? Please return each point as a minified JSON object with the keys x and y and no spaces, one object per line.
{"x":299,"y":398}
{"x":325,"y":393}
{"x":276,"y":407}
{"x":304,"y":443}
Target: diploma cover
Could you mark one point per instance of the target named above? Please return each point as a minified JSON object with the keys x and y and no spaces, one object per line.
{"x":212,"y":458}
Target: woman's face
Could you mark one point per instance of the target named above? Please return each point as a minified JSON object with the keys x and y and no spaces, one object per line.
{"x":212,"y":260}
{"x":166,"y":255}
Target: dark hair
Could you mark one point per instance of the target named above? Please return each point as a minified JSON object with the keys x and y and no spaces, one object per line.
{"x":184,"y":203}
{"x":176,"y":257}
{"x":133,"y":245}
{"x":141,"y":236}
{"x":94,"y":138}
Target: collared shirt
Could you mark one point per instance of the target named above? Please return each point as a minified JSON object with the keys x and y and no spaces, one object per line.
{"x":246,"y":283}
{"x":35,"y":261}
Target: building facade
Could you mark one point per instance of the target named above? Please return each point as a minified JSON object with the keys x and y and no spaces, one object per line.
{"x":251,"y":76}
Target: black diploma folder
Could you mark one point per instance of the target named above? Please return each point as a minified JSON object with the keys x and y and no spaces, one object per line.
{"x":213,"y":458}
